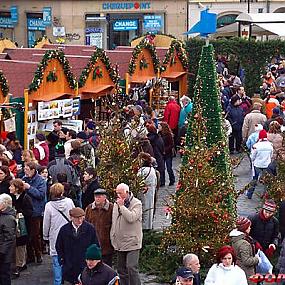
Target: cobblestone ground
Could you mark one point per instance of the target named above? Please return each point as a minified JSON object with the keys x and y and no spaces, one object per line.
{"x":42,"y":274}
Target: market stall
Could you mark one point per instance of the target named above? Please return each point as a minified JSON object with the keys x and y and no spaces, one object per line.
{"x":51,"y":95}
{"x":175,"y":69}
{"x":143,"y":67}
{"x":97,"y":80}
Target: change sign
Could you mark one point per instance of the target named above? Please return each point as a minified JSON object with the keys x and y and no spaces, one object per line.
{"x":125,"y":25}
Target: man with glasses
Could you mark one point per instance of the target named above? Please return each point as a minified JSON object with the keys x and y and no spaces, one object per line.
{"x":265,"y":227}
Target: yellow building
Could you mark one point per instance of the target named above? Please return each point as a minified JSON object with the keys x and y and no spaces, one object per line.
{"x":103,"y":23}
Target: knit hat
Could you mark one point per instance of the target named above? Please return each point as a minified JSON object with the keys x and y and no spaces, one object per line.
{"x":243,"y":223}
{"x":269,"y":205}
{"x":82,"y":135}
{"x":93,"y":252}
{"x":91,"y":125}
{"x":262,"y":135}
{"x":76,"y":212}
{"x":276,"y":111}
{"x":41,"y":137}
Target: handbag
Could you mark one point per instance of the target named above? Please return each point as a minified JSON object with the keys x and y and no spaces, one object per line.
{"x":21,"y":225}
{"x":264,"y":266}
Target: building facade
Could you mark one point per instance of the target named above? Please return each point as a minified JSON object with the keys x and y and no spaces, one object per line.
{"x":106,"y":24}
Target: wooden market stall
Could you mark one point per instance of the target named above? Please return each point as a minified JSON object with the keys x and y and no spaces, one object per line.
{"x":175,"y":69}
{"x":50,"y":95}
{"x":98,"y":79}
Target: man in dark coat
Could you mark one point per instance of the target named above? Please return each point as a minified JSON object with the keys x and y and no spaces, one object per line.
{"x":97,"y":272}
{"x":7,"y":238}
{"x":99,"y":214}
{"x":265,"y":228}
{"x":36,"y":188}
{"x":72,"y":241}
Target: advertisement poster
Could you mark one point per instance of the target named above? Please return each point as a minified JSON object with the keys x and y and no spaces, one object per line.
{"x":32,"y":128}
{"x":10,"y":125}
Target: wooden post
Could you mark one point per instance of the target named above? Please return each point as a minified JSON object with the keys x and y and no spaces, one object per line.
{"x":26,"y":110}
{"x":127,"y":83}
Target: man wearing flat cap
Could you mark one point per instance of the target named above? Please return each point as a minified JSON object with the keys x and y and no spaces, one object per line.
{"x":99,"y":214}
{"x":184,"y":276}
{"x":72,"y":241}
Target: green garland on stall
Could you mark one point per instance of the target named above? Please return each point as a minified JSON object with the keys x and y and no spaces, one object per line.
{"x":98,"y":54}
{"x":177,"y":46}
{"x":4,"y":84}
{"x":52,"y":77}
{"x":39,"y":74}
{"x":136,"y":52}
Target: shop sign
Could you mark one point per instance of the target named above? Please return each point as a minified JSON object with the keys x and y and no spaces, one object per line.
{"x":125,"y":25}
{"x":14,"y":14}
{"x":126,"y":5}
{"x":6,"y":22}
{"x":93,"y":30}
{"x":36,"y":24}
{"x":153,"y":23}
{"x":47,"y":16}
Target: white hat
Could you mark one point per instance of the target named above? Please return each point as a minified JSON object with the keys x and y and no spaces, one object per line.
{"x":8,"y":154}
{"x":258,"y":127}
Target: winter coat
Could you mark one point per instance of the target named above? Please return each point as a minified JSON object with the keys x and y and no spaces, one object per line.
{"x":270,"y":105}
{"x":37,"y":191}
{"x":23,"y":204}
{"x":252,"y":140}
{"x":235,"y":117}
{"x":143,"y":145}
{"x":71,"y":249}
{"x":168,"y":144}
{"x":171,"y":114}
{"x":101,"y":274}
{"x":245,"y":104}
{"x":262,"y":153}
{"x":282,"y":220}
{"x":41,"y":152}
{"x":148,"y":199}
{"x":276,"y":140}
{"x":88,"y":152}
{"x":5,"y":184}
{"x":253,"y":118}
{"x":264,"y":231}
{"x":126,"y":231}
{"x":88,"y":192}
{"x":54,"y":220}
{"x":7,"y":235}
{"x":101,"y":219}
{"x":220,"y":275}
{"x":184,"y":114}
{"x":62,"y":165}
{"x":281,"y":259}
{"x":245,"y":252}
{"x":158,"y":149}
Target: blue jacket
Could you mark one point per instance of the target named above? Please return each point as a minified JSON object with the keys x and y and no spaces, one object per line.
{"x":184,"y":113}
{"x":235,"y":117}
{"x":71,"y":248}
{"x":37,"y":192}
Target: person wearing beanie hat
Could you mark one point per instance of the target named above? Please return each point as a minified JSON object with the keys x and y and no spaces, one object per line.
{"x":265,"y":227}
{"x":91,"y":133}
{"x":96,"y":271}
{"x":71,"y":244}
{"x":41,"y":150}
{"x":261,"y":157}
{"x":244,"y":246}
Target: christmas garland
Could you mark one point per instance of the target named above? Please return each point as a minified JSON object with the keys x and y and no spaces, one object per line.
{"x":4,"y":84}
{"x":98,"y":54}
{"x":170,"y":56}
{"x":144,"y":44}
{"x":97,"y":73}
{"x":39,"y":74}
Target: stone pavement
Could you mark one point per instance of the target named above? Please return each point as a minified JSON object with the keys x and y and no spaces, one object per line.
{"x":42,"y":274}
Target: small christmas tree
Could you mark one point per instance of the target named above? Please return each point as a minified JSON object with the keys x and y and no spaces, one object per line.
{"x":201,"y":218}
{"x":115,"y":152}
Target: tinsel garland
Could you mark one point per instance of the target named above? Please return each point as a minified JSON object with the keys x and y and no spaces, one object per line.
{"x":144,"y":44}
{"x":170,"y":56}
{"x":39,"y":74}
{"x":98,"y":54}
{"x":4,"y":84}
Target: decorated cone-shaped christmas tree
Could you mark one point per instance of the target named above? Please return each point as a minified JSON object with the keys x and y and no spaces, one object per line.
{"x":115,"y":152}
{"x":207,"y":90}
{"x":201,"y":218}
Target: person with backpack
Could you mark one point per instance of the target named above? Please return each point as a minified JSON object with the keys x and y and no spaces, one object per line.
{"x":56,"y":215}
{"x":86,"y":149}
